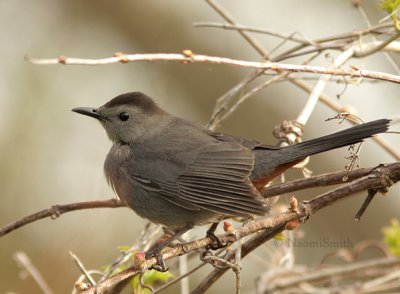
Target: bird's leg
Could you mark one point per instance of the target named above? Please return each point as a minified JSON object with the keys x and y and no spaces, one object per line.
{"x":155,"y":251}
{"x":217,"y":244}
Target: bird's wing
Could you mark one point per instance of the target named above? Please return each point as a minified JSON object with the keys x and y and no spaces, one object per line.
{"x":217,"y":180}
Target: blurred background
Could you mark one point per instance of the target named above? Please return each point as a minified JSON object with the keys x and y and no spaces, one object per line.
{"x":50,"y":155}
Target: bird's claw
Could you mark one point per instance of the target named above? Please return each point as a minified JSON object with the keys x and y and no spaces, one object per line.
{"x":160,"y":265}
{"x":216,"y":242}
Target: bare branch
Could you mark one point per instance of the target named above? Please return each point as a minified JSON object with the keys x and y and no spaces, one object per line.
{"x":379,"y":178}
{"x":23,"y":261}
{"x":163,"y":287}
{"x":392,"y":150}
{"x":323,"y":180}
{"x":319,"y":88}
{"x":197,"y":58}
{"x":247,"y":247}
{"x":226,"y":15}
{"x":377,"y":48}
{"x":317,"y":181}
{"x":56,"y":210}
{"x":82,"y":268}
{"x":222,"y":102}
{"x":354,"y":35}
{"x":327,"y":273}
{"x":251,"y":29}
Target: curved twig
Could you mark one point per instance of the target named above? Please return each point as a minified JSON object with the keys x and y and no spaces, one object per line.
{"x":56,"y":210}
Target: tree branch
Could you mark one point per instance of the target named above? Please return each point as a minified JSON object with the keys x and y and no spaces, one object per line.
{"x":189,"y":57}
{"x":324,"y":180}
{"x":316,"y":181}
{"x":325,"y":274}
{"x":390,"y":148}
{"x":379,"y":178}
{"x":24,"y":262}
{"x":248,"y":37}
{"x":56,"y":210}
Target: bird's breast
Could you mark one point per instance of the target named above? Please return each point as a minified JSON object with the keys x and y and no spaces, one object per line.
{"x":115,"y":167}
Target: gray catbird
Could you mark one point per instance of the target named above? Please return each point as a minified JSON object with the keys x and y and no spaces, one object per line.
{"x":179,"y":174}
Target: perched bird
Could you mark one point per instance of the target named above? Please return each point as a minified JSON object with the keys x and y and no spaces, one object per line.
{"x":180,"y":174}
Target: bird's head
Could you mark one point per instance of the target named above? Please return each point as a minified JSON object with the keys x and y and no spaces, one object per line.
{"x":126,"y":117}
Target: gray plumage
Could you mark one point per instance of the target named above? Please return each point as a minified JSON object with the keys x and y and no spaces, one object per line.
{"x":179,"y":174}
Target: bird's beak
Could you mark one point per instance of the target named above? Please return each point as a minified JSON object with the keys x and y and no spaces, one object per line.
{"x":89,"y":111}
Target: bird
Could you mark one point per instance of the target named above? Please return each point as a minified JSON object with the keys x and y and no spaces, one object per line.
{"x":180,"y":174}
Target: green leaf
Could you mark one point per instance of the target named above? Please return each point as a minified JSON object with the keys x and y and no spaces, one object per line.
{"x":149,"y":277}
{"x":279,"y":237}
{"x":137,"y":288}
{"x":391,"y":237}
{"x":152,"y":277}
{"x":123,"y":248}
{"x":389,"y":6}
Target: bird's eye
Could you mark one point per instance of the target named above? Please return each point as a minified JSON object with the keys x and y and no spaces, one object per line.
{"x":124,"y":116}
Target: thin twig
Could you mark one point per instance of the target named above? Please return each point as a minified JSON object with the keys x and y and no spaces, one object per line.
{"x":197,"y":58}
{"x":392,"y":150}
{"x":82,"y":268}
{"x":183,"y":268}
{"x":354,"y":51}
{"x":226,"y":15}
{"x":79,"y":285}
{"x":323,"y":180}
{"x":237,"y":27}
{"x":221,"y":263}
{"x":369,"y":24}
{"x":327,"y":273}
{"x":377,"y":48}
{"x":169,"y":284}
{"x":163,"y":287}
{"x":224,"y":113}
{"x":367,"y":201}
{"x":247,"y":247}
{"x":317,"y":44}
{"x":224,"y":100}
{"x":56,"y":210}
{"x":23,"y":261}
{"x":319,"y":87}
{"x":147,"y":234}
{"x":381,"y":280}
{"x":351,"y":35}
{"x":247,"y":95}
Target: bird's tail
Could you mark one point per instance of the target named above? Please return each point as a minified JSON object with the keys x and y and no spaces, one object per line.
{"x":271,"y":162}
{"x":336,"y":140}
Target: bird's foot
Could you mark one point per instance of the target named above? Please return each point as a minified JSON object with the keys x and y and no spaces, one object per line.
{"x":156,"y":250}
{"x":216,"y":242}
{"x":160,"y":265}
